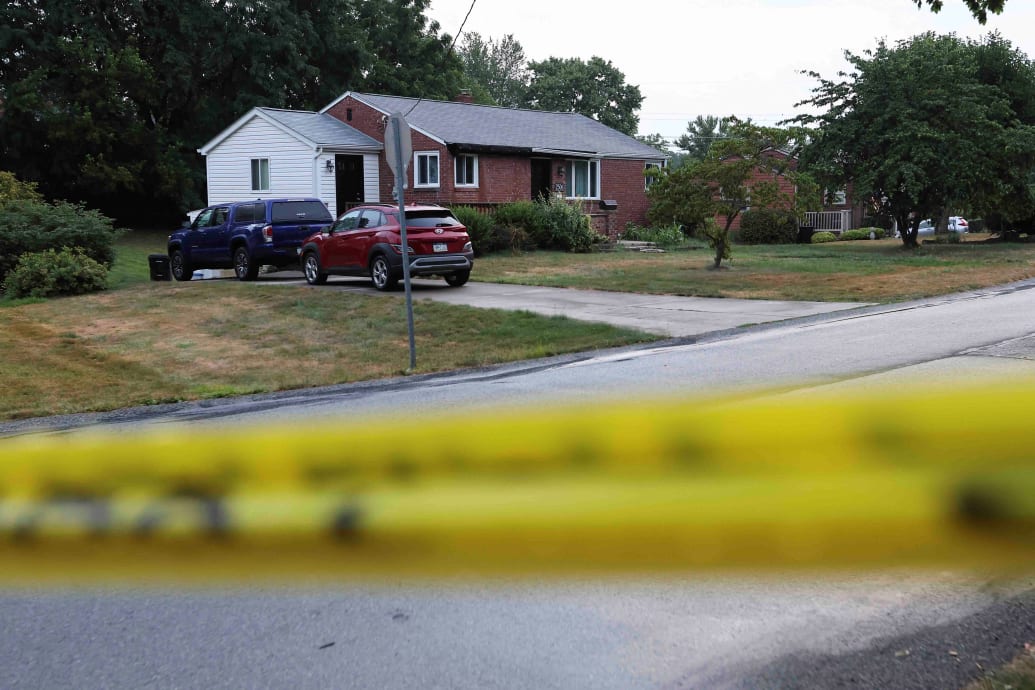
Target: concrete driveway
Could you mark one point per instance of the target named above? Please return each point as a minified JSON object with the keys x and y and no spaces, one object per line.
{"x":659,"y":314}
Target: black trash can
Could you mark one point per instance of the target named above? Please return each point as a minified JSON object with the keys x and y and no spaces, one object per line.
{"x":805,"y":234}
{"x":159,"y":266}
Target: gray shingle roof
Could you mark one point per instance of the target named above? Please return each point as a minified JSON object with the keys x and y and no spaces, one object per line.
{"x":536,"y":130}
{"x":322,"y":129}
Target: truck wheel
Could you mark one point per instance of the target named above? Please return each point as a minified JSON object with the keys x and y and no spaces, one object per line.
{"x":311,"y":267}
{"x":181,"y":268}
{"x":457,"y":279}
{"x":244,"y":269}
{"x":381,"y":274}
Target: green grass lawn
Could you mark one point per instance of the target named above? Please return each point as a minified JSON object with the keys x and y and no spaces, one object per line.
{"x":866,"y":271}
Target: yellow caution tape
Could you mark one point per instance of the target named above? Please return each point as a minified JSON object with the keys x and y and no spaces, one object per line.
{"x":909,"y":478}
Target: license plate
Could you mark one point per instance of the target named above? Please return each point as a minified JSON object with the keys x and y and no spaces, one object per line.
{"x":439,"y":246}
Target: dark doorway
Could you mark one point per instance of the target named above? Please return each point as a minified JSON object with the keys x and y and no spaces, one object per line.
{"x":540,"y":178}
{"x":348,"y":180}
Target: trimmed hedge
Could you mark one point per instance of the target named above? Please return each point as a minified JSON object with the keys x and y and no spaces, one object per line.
{"x":821,"y":237}
{"x":768,"y":226}
{"x":53,"y":273}
{"x":33,"y":226}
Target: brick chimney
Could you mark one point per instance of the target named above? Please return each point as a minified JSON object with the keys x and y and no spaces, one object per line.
{"x":464,"y":96}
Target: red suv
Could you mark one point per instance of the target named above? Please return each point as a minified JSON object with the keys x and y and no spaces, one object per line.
{"x":365,"y":241}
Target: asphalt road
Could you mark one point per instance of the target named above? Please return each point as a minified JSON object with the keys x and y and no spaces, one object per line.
{"x":887,"y":629}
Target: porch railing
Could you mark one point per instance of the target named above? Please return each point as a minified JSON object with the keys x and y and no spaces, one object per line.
{"x":831,"y":221}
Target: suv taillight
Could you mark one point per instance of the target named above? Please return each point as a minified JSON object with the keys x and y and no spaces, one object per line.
{"x":267,"y":233}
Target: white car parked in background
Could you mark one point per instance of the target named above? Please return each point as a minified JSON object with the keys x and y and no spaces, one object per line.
{"x":956,"y":224}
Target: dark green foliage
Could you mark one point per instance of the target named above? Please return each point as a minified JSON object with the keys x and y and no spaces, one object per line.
{"x":768,"y":226}
{"x":821,"y":237}
{"x":521,"y":214}
{"x":549,"y":224}
{"x":107,"y":103}
{"x":978,"y":8}
{"x":596,"y":89}
{"x":886,"y":129}
{"x":862,"y":234}
{"x":976,"y":225}
{"x":480,"y":226}
{"x":53,"y":273}
{"x":664,"y":236}
{"x":33,"y":226}
{"x":560,"y":225}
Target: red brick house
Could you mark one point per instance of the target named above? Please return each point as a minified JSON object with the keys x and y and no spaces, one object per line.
{"x":463,"y":154}
{"x":476,"y":154}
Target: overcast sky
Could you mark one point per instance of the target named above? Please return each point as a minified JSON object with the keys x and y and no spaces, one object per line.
{"x":720,"y":57}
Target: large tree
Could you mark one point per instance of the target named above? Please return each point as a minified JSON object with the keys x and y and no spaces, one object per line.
{"x":931,"y":124}
{"x":596,"y":89}
{"x":496,"y":67}
{"x":108,"y":102}
{"x":701,"y":133}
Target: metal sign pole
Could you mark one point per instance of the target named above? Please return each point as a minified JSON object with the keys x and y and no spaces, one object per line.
{"x":397,"y":123}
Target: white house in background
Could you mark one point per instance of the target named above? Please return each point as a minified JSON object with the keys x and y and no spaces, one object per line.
{"x":292,"y":153}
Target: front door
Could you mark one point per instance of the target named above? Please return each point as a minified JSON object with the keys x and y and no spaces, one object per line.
{"x":348,"y":180}
{"x":540,"y":178}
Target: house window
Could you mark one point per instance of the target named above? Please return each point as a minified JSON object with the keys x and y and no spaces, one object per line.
{"x":465,"y":171}
{"x":426,"y":169}
{"x":649,"y":179}
{"x":582,"y":180}
{"x":837,"y":197}
{"x":260,"y":174}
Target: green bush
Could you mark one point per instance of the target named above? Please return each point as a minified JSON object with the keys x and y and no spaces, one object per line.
{"x":550,"y":224}
{"x":976,"y":225}
{"x":768,"y":226}
{"x":52,"y":273}
{"x":862,"y":234}
{"x":519,"y":214}
{"x":480,"y":226}
{"x":821,"y":237}
{"x":33,"y":226}
{"x":667,"y":236}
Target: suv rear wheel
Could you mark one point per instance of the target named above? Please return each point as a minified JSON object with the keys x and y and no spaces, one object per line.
{"x":457,"y":279}
{"x":381,"y":273}
{"x":244,"y":269}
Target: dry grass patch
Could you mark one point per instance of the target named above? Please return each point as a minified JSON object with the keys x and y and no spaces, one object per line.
{"x":166,"y":341}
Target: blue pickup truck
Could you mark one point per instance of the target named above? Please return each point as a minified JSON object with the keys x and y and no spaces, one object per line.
{"x":244,"y":235}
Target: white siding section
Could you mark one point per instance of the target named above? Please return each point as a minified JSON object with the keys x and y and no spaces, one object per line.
{"x":371,"y":178}
{"x":324,"y":186}
{"x":291,"y":164}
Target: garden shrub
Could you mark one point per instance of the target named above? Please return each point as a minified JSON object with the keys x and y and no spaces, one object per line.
{"x":33,"y":226}
{"x":667,"y":236}
{"x":768,"y":226}
{"x":52,"y":273}
{"x":821,"y":237}
{"x":862,"y":234}
{"x":551,"y":223}
{"x":480,"y":226}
